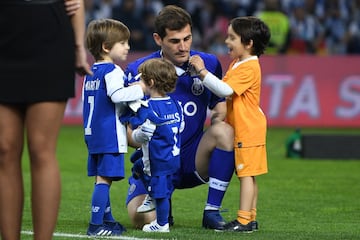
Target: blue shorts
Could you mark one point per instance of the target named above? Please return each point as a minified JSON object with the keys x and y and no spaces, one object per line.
{"x":161,"y":187}
{"x":186,"y":177}
{"x":109,"y":165}
{"x":136,"y":188}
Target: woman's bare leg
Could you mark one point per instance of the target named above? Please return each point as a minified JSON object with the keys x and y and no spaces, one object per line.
{"x":43,"y":122}
{"x":11,"y":182}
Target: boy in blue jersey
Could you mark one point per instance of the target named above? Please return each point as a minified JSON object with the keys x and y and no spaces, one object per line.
{"x":161,"y":151}
{"x":205,"y":156}
{"x":104,"y":99}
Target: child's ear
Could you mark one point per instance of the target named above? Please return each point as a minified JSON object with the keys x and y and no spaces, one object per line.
{"x":104,"y":48}
{"x":152,"y":83}
{"x":250,"y":45}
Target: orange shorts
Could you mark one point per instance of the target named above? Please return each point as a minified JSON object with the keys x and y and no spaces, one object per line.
{"x":250,"y":161}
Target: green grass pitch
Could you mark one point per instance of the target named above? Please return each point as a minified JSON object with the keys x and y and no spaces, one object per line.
{"x":298,"y":198}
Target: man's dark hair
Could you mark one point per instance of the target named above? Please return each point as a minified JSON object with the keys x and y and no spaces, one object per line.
{"x":171,"y":17}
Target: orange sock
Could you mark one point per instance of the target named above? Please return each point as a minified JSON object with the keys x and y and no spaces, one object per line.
{"x":253,"y":214}
{"x":243,"y":217}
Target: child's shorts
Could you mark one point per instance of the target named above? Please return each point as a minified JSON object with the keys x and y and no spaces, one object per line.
{"x":109,"y":165}
{"x":250,"y":161}
{"x":161,"y":186}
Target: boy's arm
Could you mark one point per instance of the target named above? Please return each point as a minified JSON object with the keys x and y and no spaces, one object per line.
{"x":215,"y":85}
{"x":212,"y":82}
{"x":127,"y":94}
{"x":117,"y":90}
{"x":144,"y":133}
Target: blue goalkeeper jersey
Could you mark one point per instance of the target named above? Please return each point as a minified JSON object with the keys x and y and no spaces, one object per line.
{"x":104,"y":133}
{"x":162,"y":152}
{"x":194,"y":98}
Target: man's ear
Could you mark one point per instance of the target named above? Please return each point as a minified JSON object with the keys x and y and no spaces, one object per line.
{"x":157,"y":39}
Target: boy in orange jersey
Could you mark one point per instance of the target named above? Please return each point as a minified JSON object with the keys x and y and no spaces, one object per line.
{"x":247,"y":39}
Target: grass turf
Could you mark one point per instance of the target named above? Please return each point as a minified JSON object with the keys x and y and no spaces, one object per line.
{"x":298,"y":198}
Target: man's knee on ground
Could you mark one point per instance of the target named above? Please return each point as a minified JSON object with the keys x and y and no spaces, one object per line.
{"x":138,"y":220}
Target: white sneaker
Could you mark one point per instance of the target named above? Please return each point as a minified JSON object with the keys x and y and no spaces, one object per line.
{"x":155,"y":227}
{"x":147,"y":205}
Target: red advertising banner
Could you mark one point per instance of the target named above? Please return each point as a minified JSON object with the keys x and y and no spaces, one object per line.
{"x":320,"y":91}
{"x":297,"y":91}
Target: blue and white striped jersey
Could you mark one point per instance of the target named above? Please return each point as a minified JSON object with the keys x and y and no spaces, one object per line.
{"x":162,"y":153}
{"x":104,"y":97}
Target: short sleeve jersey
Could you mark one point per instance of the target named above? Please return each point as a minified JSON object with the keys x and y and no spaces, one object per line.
{"x":194,"y":98}
{"x":163,"y":149}
{"x":243,"y":107}
{"x":103,"y":131}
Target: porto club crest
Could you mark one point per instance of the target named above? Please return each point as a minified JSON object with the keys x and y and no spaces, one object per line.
{"x":197,"y":88}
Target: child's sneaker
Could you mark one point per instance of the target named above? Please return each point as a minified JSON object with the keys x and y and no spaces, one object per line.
{"x":155,"y":227}
{"x":236,"y":226}
{"x":147,"y":205}
{"x":116,"y":227}
{"x":100,"y":230}
{"x":254,"y":225}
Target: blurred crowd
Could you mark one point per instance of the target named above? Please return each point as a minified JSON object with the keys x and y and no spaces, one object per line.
{"x":297,"y":26}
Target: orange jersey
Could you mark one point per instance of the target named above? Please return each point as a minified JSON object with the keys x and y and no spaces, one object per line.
{"x":243,"y":107}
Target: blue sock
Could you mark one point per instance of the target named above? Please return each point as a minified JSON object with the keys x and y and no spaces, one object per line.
{"x":221,"y":170}
{"x":162,"y":211}
{"x":108,"y":217}
{"x":99,"y":201}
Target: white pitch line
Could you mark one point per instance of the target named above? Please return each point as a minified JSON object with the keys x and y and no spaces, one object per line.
{"x":69,"y":235}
